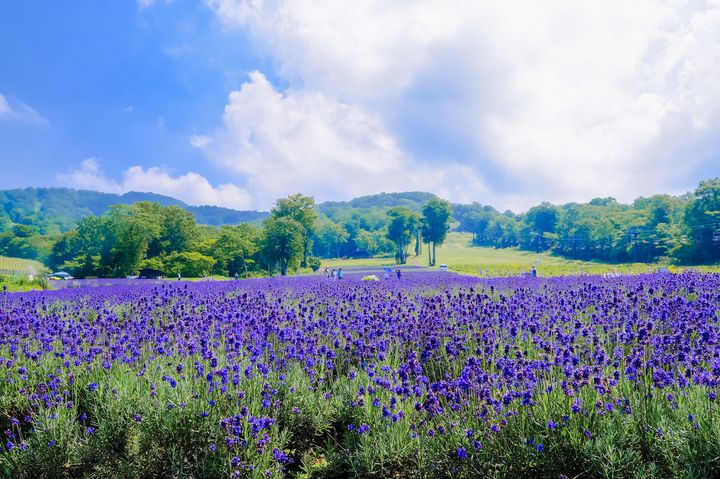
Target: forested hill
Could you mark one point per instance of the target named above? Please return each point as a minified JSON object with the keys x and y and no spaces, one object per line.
{"x":373,"y":204}
{"x":56,"y":210}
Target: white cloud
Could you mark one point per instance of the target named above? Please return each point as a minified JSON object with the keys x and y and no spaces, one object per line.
{"x":304,"y":141}
{"x":191,"y":187}
{"x":200,"y":141}
{"x":143,"y":4}
{"x":20,"y":112}
{"x":570,"y":99}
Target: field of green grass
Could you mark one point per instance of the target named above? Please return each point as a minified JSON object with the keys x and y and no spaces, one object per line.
{"x":461,"y":256}
{"x":20,"y":267}
{"x":17,"y":274}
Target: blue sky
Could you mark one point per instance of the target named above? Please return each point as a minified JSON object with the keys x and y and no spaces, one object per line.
{"x":237,"y":103}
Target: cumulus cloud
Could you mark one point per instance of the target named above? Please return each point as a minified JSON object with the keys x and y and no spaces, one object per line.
{"x":191,"y":187}
{"x":303,"y":140}
{"x":567,"y":99}
{"x":20,"y":112}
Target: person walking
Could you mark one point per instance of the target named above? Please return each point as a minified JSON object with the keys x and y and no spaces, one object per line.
{"x":398,"y":273}
{"x":340,"y":273}
{"x":179,"y":277}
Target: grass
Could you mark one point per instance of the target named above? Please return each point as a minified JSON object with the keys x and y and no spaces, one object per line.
{"x":461,"y":256}
{"x":20,"y":267}
{"x":17,"y":274}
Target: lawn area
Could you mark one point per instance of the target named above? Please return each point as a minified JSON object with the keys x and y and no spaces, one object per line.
{"x":20,"y":267}
{"x":15,"y":274}
{"x":462,"y":257}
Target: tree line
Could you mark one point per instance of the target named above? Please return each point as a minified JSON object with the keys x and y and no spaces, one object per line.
{"x":679,"y":229}
{"x":146,"y":235}
{"x":298,"y":233}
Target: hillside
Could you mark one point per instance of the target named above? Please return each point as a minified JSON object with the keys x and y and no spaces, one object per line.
{"x":373,"y":204}
{"x":54,"y":210}
{"x":20,"y":267}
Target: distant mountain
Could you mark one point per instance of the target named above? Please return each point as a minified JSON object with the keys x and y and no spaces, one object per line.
{"x":379,"y":203}
{"x":54,"y":210}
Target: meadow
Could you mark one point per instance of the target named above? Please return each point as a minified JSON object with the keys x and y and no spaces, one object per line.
{"x":433,"y":375}
{"x":461,"y":256}
{"x":18,"y":274}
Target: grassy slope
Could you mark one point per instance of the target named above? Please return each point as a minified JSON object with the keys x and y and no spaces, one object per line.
{"x":20,"y":267}
{"x":15,"y":272}
{"x":461,"y":256}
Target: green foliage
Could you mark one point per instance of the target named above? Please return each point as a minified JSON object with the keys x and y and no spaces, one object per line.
{"x":314,"y":263}
{"x":331,"y":237}
{"x":283,"y":243}
{"x":188,"y":263}
{"x":236,"y":250}
{"x":57,"y":210}
{"x":435,"y":223}
{"x":401,"y":229}
{"x":118,"y":240}
{"x":702,"y":223}
{"x":301,"y":209}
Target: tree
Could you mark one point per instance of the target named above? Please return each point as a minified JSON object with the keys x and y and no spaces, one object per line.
{"x":539,"y":220}
{"x":283,"y":242}
{"x":133,"y":228}
{"x":435,"y":224}
{"x":301,"y":209}
{"x":236,"y":248}
{"x":84,"y":250}
{"x":702,"y":220}
{"x":333,"y":236}
{"x":188,"y":263}
{"x":400,"y":230}
{"x":179,"y":229}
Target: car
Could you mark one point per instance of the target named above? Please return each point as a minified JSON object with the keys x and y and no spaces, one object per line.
{"x":443,"y":267}
{"x":60,"y":275}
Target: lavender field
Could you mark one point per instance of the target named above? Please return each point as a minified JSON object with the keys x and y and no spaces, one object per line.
{"x":432,"y":375}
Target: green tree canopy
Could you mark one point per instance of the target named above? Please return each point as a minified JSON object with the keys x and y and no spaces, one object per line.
{"x":283,"y":243}
{"x":400,"y":230}
{"x":300,"y":208}
{"x":435,"y":224}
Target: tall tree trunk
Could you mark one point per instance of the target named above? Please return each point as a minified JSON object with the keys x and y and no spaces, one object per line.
{"x":433,"y":253}
{"x":429,"y":255}
{"x":306,"y":246}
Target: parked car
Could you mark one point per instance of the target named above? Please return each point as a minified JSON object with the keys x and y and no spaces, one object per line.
{"x":443,"y":267}
{"x":60,"y":275}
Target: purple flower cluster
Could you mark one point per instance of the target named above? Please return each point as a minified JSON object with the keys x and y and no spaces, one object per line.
{"x":440,"y":356}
